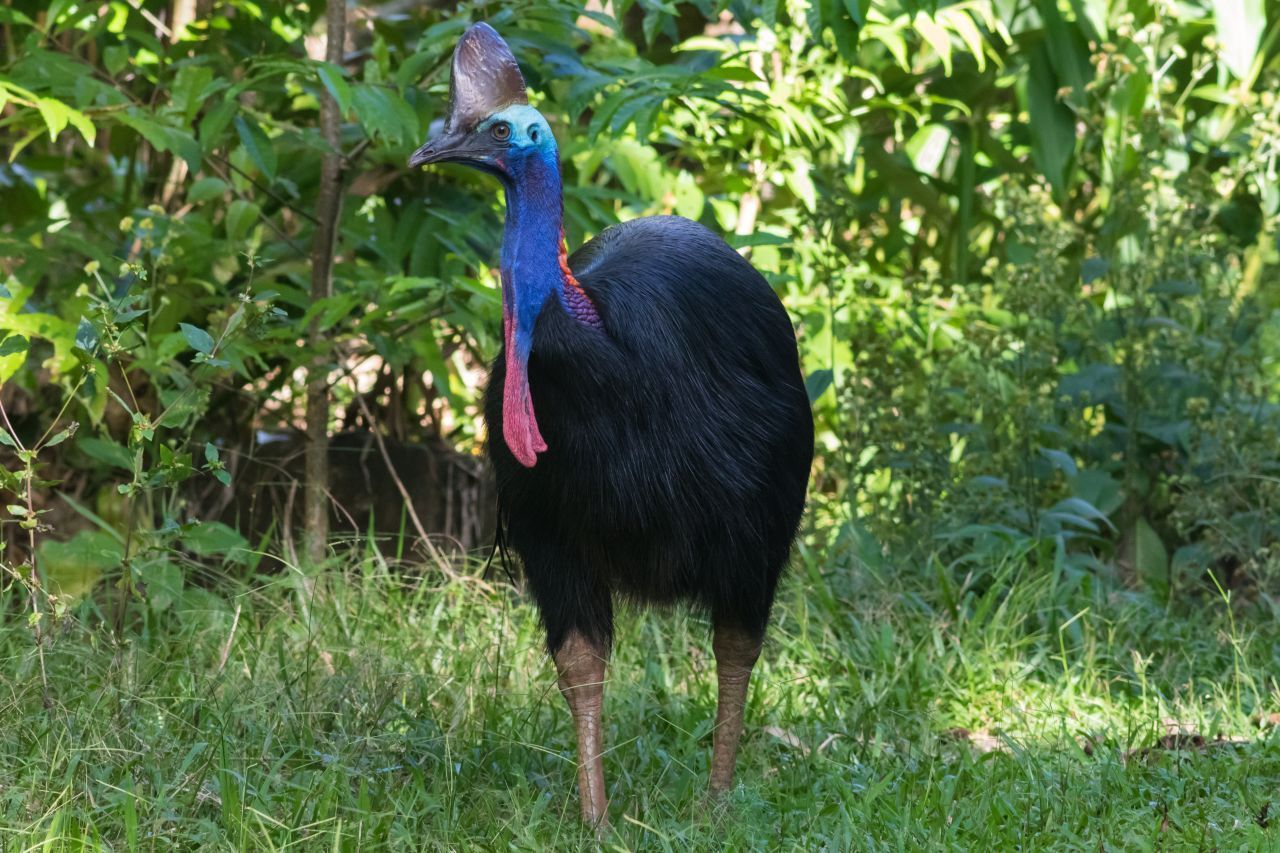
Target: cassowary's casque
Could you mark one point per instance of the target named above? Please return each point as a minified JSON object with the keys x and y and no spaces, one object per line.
{"x":649,"y":424}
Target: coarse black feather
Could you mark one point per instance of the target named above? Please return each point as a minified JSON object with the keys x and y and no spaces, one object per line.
{"x":679,"y":436}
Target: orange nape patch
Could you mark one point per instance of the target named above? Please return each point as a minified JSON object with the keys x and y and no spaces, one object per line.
{"x":564,"y":266}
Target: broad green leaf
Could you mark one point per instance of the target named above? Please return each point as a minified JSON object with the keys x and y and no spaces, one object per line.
{"x":191,"y":88}
{"x":958,"y":20}
{"x":258,"y":144}
{"x":384,"y":113}
{"x":215,"y":538}
{"x":332,"y":78}
{"x":74,"y":566}
{"x":1150,"y":559}
{"x":162,"y":137}
{"x":115,"y":58}
{"x":198,"y":338}
{"x":205,"y":189}
{"x":58,"y":115}
{"x":801,"y":183}
{"x":1052,"y":127}
{"x":86,"y":336}
{"x":13,"y":354}
{"x":106,"y":451}
{"x":241,"y":216}
{"x":160,"y":580}
{"x":1060,"y":460}
{"x":817,"y":383}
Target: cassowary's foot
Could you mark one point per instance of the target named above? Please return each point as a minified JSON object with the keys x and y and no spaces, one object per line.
{"x":736,"y":653}
{"x":581,"y":664}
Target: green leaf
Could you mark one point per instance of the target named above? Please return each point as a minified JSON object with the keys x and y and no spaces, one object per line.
{"x":58,"y":115}
{"x":1239,"y":25}
{"x":205,"y":189}
{"x":1052,"y":127}
{"x":937,"y":37}
{"x":160,"y":580}
{"x":258,"y":145}
{"x":213,"y":538}
{"x":383,"y":114}
{"x":1150,"y":559}
{"x":86,"y":336}
{"x":13,"y":354}
{"x":857,"y":10}
{"x":332,"y":78}
{"x":1060,"y":460}
{"x":1092,"y":269}
{"x":106,"y":451}
{"x":116,"y":58}
{"x":958,"y":20}
{"x":74,"y":566}
{"x":191,"y":87}
{"x":215,"y":122}
{"x":62,"y":436}
{"x":14,"y":345}
{"x":198,"y":338}
{"x":241,"y":216}
{"x":162,"y":137}
{"x":210,"y":453}
{"x":817,"y":383}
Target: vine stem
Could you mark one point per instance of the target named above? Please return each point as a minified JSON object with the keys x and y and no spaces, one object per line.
{"x":34,"y":586}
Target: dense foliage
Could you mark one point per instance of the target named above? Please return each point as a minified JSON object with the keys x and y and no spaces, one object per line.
{"x":1030,"y":250}
{"x":1031,"y":253}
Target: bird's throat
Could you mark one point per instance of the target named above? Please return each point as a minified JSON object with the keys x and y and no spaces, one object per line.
{"x":535,"y":273}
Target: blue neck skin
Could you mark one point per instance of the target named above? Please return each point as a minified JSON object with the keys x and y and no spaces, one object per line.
{"x":531,"y":241}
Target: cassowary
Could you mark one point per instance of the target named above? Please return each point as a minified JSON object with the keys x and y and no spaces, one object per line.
{"x":656,"y":436}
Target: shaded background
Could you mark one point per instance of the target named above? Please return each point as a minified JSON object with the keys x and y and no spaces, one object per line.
{"x":1029,"y":249}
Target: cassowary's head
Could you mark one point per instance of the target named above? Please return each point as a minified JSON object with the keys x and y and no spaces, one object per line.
{"x":490,"y":125}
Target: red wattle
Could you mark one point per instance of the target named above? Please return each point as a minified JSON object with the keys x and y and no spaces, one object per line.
{"x":519,"y":426}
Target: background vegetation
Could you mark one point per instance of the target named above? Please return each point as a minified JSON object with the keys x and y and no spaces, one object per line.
{"x":1030,"y":249}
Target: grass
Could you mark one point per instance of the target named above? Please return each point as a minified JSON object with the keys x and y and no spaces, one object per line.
{"x":1032,"y":711}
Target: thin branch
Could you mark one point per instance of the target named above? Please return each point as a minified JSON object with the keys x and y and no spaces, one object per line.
{"x":436,"y":556}
{"x":267,"y":191}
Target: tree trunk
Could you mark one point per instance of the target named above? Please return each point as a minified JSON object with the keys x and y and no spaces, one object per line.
{"x":328,"y":210}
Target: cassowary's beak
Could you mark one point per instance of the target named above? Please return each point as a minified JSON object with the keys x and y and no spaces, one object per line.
{"x":485,"y":80}
{"x":442,"y":149}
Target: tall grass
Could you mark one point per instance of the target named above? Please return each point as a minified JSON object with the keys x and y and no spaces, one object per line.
{"x":887,"y":713}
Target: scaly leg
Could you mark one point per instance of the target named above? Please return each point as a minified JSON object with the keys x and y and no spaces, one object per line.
{"x":736,"y":652}
{"x":581,"y":664}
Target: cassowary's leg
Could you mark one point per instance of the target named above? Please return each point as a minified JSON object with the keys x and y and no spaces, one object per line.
{"x":581,"y":664}
{"x":736,"y":652}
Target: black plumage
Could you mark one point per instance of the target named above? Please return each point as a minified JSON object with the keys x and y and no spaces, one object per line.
{"x":679,"y":436}
{"x":648,"y":421}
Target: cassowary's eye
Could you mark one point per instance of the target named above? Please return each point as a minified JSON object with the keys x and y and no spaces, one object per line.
{"x":533,"y":133}
{"x":501,"y":131}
